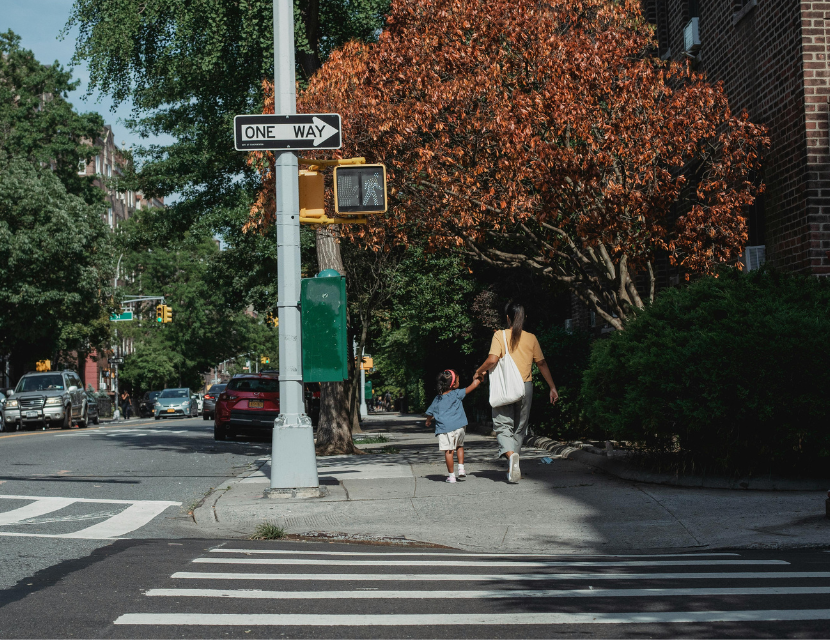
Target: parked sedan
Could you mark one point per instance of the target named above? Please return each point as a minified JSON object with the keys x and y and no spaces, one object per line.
{"x":249,"y":404}
{"x":173,"y":403}
{"x":92,"y":407}
{"x":209,"y":404}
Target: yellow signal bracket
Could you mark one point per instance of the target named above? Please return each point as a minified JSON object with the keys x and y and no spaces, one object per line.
{"x":314,"y":162}
{"x":325,"y":220}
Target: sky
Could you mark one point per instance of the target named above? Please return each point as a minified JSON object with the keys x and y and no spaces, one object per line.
{"x":39,"y":24}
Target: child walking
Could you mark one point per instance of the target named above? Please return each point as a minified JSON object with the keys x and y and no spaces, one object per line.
{"x":447,"y":411}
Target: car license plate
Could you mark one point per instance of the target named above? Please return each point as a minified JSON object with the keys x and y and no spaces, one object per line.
{"x":171,"y":411}
{"x":31,"y":414}
{"x":256,"y":404}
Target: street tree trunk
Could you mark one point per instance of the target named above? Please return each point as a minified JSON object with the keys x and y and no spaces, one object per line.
{"x":334,"y":431}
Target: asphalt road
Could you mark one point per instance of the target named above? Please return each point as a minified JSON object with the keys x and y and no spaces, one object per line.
{"x":245,"y":589}
{"x":63,"y":493}
{"x":96,"y":541}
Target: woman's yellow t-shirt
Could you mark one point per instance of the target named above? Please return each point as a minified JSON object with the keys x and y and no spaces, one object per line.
{"x":524,"y":355}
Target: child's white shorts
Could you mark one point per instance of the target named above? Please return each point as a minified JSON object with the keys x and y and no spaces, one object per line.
{"x":452,"y":440}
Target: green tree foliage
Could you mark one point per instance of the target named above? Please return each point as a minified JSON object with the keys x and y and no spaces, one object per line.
{"x":567,"y":354}
{"x":37,"y":124}
{"x":55,"y":266}
{"x":728,"y":374}
{"x":189,"y":68}
{"x":209,"y":321}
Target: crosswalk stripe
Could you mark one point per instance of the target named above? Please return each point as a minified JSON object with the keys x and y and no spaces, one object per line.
{"x":136,"y":515}
{"x":472,"y":563}
{"x":456,"y":619}
{"x":485,"y":594}
{"x":133,"y":517}
{"x":41,"y":507}
{"x":473,"y":555}
{"x":501,"y":577}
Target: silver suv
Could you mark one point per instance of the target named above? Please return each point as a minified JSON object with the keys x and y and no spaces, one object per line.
{"x":45,"y":399}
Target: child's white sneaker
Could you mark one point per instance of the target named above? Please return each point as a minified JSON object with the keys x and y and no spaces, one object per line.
{"x":461,"y":472}
{"x":451,"y":478}
{"x":513,"y":475}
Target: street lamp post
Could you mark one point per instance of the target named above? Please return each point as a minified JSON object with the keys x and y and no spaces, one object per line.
{"x":293,"y":462}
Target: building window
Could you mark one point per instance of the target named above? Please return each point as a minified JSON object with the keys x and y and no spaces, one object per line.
{"x":694,"y":9}
{"x":109,"y":217}
{"x":81,"y":167}
{"x":98,"y":165}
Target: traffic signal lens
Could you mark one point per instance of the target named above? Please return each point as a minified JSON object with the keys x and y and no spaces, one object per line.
{"x":360,"y":188}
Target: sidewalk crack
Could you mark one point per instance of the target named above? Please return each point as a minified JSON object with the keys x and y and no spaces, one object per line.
{"x":676,"y":519}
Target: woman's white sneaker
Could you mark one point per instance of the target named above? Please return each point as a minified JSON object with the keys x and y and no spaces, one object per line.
{"x":461,"y":472}
{"x":513,"y":474}
{"x":450,"y":478}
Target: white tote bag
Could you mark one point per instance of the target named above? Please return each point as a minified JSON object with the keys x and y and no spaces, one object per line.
{"x":506,"y":383}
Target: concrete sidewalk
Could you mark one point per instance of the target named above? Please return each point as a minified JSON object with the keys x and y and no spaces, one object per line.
{"x":561,"y":507}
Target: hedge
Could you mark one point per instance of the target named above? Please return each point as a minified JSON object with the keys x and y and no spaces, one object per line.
{"x":728,"y":374}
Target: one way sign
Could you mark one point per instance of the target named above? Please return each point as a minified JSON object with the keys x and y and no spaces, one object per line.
{"x":288,"y":132}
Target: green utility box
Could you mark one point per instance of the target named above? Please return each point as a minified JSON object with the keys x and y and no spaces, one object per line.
{"x":323,"y":309}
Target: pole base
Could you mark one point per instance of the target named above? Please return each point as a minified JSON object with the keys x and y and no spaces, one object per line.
{"x":300,"y":492}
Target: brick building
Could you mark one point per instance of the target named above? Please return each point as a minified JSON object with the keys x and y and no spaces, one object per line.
{"x":109,"y":165}
{"x":771,"y":56}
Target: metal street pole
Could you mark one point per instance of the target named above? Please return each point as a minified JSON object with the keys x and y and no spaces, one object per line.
{"x":364,"y":410}
{"x":293,"y":462}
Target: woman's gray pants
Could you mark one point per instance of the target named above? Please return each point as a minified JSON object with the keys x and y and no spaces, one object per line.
{"x":510,"y":422}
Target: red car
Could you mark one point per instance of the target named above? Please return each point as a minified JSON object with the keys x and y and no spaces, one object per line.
{"x":249,"y":404}
{"x":251,"y":401}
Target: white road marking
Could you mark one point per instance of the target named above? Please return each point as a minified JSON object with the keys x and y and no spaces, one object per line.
{"x":39,"y":508}
{"x":507,"y":593}
{"x":473,"y":555}
{"x":499,"y":577}
{"x":135,"y":516}
{"x":132,"y":518}
{"x":472,"y":563}
{"x":457,"y":619}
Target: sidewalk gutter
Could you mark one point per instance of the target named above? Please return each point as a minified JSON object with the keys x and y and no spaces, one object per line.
{"x":626,"y":471}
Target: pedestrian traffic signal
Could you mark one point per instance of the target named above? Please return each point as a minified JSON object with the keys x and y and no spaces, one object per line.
{"x":360,"y":188}
{"x":312,"y":194}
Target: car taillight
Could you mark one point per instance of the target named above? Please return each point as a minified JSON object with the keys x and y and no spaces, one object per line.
{"x":208,"y":397}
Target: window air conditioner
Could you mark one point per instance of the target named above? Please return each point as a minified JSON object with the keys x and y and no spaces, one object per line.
{"x":754,"y":257}
{"x":691,"y":37}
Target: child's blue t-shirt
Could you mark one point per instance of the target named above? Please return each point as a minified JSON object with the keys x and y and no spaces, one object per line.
{"x":448,"y":411}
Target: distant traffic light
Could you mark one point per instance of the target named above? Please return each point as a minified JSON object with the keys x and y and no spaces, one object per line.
{"x":264,"y":360}
{"x":360,"y":188}
{"x":164,"y":314}
{"x":272,"y":319}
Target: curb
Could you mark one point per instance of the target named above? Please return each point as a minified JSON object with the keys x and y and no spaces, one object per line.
{"x":621,"y":469}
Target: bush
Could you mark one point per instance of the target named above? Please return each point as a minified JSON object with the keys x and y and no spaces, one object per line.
{"x":567,"y":354}
{"x":729,"y":374}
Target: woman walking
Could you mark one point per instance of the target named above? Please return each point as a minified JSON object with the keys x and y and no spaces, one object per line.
{"x":510,"y":421}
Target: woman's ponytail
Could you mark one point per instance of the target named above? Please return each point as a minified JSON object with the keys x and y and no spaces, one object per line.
{"x":516,"y":316}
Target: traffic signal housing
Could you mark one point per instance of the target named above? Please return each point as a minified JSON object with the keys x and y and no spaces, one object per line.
{"x":360,"y":188}
{"x":164,"y":314}
{"x":264,"y":360}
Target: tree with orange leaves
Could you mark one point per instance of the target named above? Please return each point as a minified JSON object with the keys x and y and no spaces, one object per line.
{"x":545,"y":135}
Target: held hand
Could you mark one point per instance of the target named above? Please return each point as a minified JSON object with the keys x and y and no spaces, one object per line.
{"x":554,"y":395}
